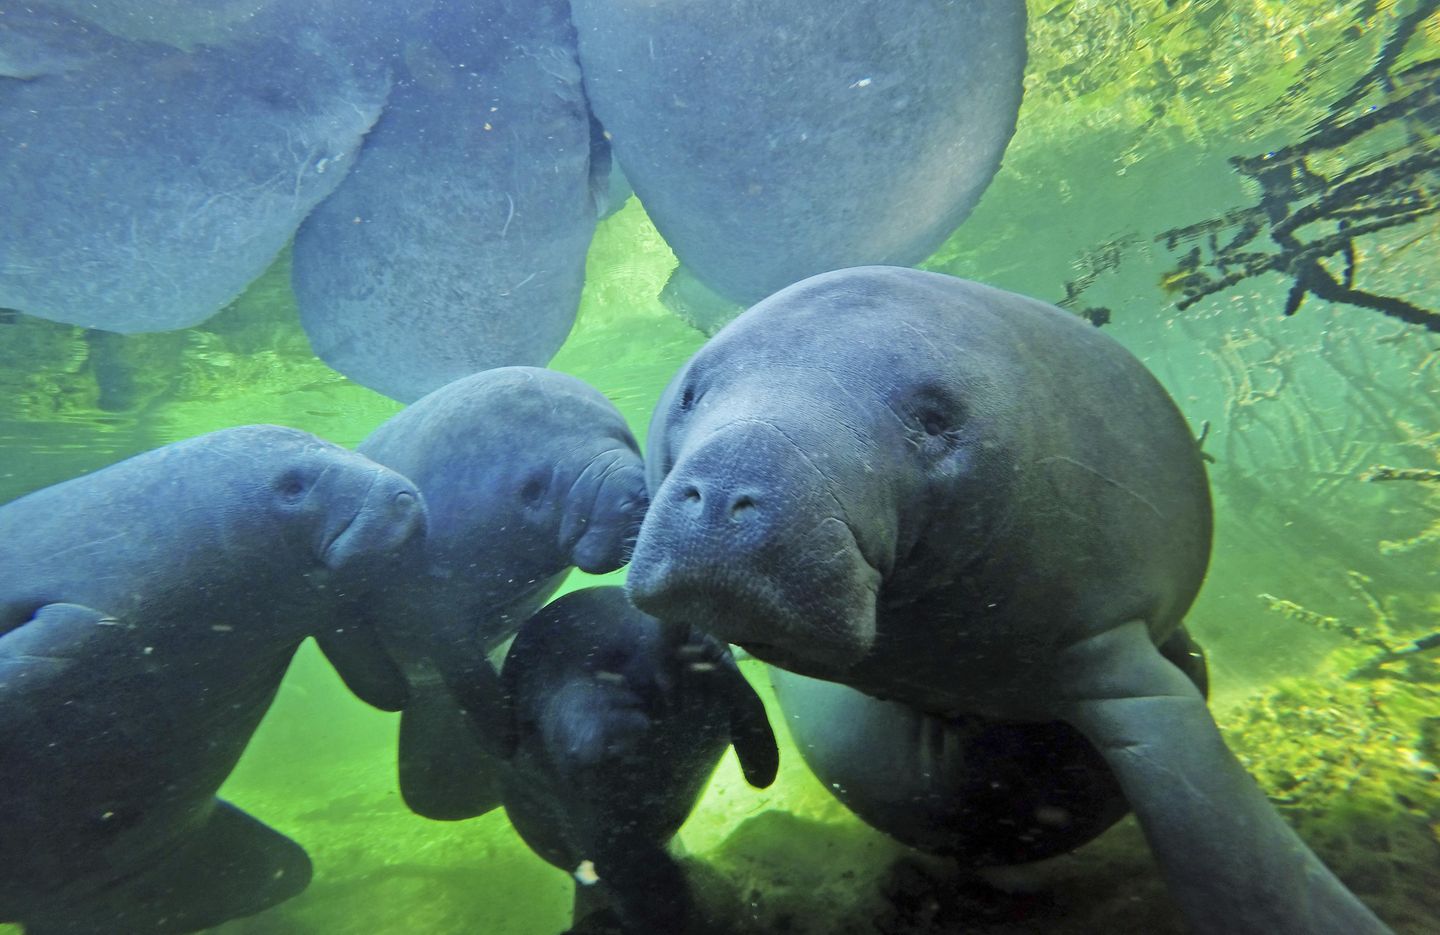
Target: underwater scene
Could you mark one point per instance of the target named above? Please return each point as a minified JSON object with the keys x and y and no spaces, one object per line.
{"x":747,"y":466}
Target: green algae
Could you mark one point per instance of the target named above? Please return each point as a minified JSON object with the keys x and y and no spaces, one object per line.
{"x":1353,"y":766}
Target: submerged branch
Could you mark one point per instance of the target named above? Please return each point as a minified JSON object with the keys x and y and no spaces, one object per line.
{"x":1381,"y":472}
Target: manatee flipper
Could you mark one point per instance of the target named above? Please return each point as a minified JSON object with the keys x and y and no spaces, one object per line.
{"x":444,"y":773}
{"x":46,"y":645}
{"x":37,"y":660}
{"x":40,"y":667}
{"x":1233,"y":864}
{"x":1185,"y":654}
{"x":364,"y":666}
{"x":750,"y":732}
{"x":701,"y":307}
{"x":229,"y":866}
{"x":473,"y":682}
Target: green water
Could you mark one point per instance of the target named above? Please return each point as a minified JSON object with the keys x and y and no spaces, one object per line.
{"x":1131,"y":113}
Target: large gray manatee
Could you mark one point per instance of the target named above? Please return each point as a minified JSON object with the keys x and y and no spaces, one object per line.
{"x":458,"y":242}
{"x":620,"y":722}
{"x":182,"y":23}
{"x":527,"y":474}
{"x":771,"y":141}
{"x":146,"y":186}
{"x":147,"y":614}
{"x":970,"y":502}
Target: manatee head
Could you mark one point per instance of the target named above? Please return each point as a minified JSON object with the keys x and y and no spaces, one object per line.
{"x":297,"y":497}
{"x":527,"y":472}
{"x":811,"y":456}
{"x":333,"y":504}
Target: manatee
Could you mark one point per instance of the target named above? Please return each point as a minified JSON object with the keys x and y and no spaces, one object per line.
{"x":527,"y":473}
{"x":146,"y":186}
{"x":458,"y":243}
{"x":182,"y":23}
{"x":772,"y":141}
{"x":983,"y":791}
{"x":620,"y":723}
{"x":972,"y":503}
{"x":147,"y":614}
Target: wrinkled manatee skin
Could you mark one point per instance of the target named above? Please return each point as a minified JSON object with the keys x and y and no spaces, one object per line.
{"x":527,"y":473}
{"x":621,"y":721}
{"x":772,"y":141}
{"x":145,"y":186}
{"x":182,"y":23}
{"x":458,"y":242}
{"x":147,"y":614}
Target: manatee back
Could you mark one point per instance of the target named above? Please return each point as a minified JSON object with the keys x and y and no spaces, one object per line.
{"x":876,"y":126}
{"x":1108,"y":515}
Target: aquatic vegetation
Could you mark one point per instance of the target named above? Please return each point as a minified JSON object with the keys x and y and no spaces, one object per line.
{"x":163,"y":371}
{"x":1379,"y":634}
{"x":1157,"y":73}
{"x":1429,"y":443}
{"x":1365,"y":166}
{"x":1393,"y":115}
{"x":1355,"y":767}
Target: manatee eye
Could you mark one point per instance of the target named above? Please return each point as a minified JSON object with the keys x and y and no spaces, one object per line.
{"x":687,"y":399}
{"x":533,"y":488}
{"x":937,"y":412}
{"x":291,"y":485}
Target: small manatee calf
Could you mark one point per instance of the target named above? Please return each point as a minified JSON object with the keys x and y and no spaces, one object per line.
{"x":527,"y":474}
{"x":621,"y":721}
{"x":972,"y":503}
{"x":147,"y":614}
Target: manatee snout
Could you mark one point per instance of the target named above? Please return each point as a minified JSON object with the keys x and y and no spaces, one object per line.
{"x":746,"y":539}
{"x":391,"y":514}
{"x":606,"y":508}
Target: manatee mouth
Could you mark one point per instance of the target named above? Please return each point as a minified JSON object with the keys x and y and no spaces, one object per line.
{"x":749,"y":537}
{"x":328,"y":548}
{"x":603,"y":531}
{"x":819,"y":619}
{"x":388,"y":517}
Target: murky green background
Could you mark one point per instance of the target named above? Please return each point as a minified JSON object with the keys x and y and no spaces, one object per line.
{"x":1131,"y":113}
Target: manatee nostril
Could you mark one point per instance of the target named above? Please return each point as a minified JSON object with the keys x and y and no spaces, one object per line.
{"x":741,"y":507}
{"x":404,"y":499}
{"x":691,"y":494}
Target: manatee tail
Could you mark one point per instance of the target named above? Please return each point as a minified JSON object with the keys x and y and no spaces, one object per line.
{"x":230,"y":866}
{"x":1232,"y":863}
{"x":444,"y":773}
{"x":647,"y":887}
